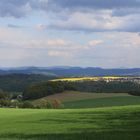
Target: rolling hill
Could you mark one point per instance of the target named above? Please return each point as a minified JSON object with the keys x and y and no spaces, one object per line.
{"x":71,"y":71}
{"x":75,"y":99}
{"x":110,"y":123}
{"x":18,"y":82}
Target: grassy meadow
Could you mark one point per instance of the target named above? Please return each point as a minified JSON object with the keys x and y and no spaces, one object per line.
{"x":68,"y":96}
{"x":103,"y":102}
{"x":109,"y":123}
{"x":75,"y":99}
{"x":84,"y":116}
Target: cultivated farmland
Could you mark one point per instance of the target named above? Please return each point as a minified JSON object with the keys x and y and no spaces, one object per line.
{"x":111,"y":123}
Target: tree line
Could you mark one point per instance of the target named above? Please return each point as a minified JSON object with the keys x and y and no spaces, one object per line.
{"x":44,"y":89}
{"x":18,"y":82}
{"x":48,"y":88}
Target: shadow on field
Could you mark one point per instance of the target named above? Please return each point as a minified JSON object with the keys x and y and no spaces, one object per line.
{"x":109,"y":135}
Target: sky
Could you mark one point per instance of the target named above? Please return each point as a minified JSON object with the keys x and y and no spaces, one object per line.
{"x":87,"y":33}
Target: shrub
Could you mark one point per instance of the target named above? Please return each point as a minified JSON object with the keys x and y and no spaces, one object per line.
{"x":4,"y":103}
{"x":56,"y":103}
{"x":135,"y":93}
{"x":26,"y":104}
{"x":49,"y":105}
{"x":15,"y":103}
{"x":45,"y":104}
{"x":3,"y":95}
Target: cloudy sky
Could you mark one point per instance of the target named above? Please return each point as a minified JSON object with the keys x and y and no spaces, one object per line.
{"x":96,"y":33}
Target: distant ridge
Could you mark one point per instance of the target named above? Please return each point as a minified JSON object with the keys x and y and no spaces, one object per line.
{"x":71,"y":71}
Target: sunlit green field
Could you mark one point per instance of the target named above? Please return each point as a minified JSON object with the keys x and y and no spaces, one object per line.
{"x":109,"y":123}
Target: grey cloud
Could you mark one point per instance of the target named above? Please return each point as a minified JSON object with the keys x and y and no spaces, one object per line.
{"x":39,"y":4}
{"x":122,"y":9}
{"x":117,"y":8}
{"x":13,"y":8}
{"x":98,"y":23}
{"x":99,"y":4}
{"x":14,"y":26}
{"x":125,"y":11}
{"x":19,"y":8}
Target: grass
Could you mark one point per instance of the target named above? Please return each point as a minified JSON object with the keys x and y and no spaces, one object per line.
{"x":110,"y":123}
{"x":103,"y":102}
{"x":68,"y":96}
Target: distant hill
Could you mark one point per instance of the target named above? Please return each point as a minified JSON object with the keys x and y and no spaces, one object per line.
{"x":71,"y":71}
{"x":90,"y":71}
{"x":18,"y":82}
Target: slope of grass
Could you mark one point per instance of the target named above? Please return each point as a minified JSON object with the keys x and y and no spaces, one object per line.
{"x":68,"y":96}
{"x":104,"y":102}
{"x":114,"y":123}
{"x":74,"y":99}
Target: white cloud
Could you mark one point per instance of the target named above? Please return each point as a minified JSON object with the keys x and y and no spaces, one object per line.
{"x":63,"y":54}
{"x":108,"y":49}
{"x":58,"y":42}
{"x":98,"y":21}
{"x":41,"y":27}
{"x":93,"y":43}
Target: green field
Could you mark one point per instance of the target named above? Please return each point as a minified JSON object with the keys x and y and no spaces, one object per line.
{"x":75,"y":99}
{"x":85,"y":116}
{"x":103,"y":102}
{"x":112,"y":123}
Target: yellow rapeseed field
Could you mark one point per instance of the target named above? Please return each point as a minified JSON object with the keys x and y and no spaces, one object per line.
{"x":87,"y":78}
